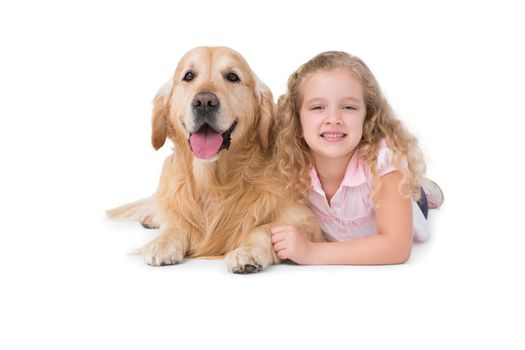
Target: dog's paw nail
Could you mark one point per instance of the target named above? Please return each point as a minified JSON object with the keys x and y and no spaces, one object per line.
{"x":250,"y":268}
{"x":247,"y":268}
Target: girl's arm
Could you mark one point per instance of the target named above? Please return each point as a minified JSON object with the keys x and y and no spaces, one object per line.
{"x":391,"y":245}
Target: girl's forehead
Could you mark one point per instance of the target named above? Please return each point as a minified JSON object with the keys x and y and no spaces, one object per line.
{"x":331,"y":81}
{"x":333,"y":73}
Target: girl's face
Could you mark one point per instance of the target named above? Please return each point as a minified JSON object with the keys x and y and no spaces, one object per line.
{"x":332,"y":113}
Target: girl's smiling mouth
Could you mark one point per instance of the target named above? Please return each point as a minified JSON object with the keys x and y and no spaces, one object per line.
{"x":333,"y":135}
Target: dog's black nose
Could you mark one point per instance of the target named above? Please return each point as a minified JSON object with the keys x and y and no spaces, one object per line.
{"x":205,"y":102}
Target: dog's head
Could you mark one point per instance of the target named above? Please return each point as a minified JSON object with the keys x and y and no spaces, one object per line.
{"x":213,"y":101}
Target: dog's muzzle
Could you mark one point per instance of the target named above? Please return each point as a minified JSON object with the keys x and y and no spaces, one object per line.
{"x":208,"y":140}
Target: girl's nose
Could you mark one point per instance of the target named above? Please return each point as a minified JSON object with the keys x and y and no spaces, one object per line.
{"x":333,"y":116}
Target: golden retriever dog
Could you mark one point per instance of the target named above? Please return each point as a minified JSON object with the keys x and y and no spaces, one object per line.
{"x":218,"y":192}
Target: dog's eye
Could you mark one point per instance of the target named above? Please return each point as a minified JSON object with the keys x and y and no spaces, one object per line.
{"x":189,"y":76}
{"x":234,"y":78}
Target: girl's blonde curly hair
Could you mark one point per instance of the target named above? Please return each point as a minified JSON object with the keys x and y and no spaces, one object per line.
{"x":292,"y":154}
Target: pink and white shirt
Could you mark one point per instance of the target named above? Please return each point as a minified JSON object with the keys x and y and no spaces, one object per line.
{"x":351,"y":212}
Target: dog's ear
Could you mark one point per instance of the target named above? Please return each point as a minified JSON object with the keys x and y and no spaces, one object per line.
{"x":267,"y":111}
{"x":159,"y":121}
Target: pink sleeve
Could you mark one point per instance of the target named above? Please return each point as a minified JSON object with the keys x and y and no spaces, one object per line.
{"x":385,"y":158}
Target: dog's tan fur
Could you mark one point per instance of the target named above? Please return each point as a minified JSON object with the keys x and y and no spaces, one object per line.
{"x":225,"y":205}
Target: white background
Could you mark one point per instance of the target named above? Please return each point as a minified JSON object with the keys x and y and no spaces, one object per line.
{"x":76,"y":82}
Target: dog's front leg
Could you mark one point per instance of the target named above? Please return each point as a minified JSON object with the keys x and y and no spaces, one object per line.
{"x":167,"y":249}
{"x":253,"y":256}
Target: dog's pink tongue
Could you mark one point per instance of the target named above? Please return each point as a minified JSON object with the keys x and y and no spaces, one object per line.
{"x":205,"y":143}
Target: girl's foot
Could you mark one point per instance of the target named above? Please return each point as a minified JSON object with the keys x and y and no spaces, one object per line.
{"x":434,"y":193}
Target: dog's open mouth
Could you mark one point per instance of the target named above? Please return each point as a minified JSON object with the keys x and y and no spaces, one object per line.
{"x":207,"y":142}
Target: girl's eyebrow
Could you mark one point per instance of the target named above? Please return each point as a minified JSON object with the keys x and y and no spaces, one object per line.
{"x":320,"y":99}
{"x":351,"y":98}
{"x":315,"y":99}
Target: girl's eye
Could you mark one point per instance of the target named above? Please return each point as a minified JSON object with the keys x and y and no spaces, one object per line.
{"x":316,"y":108}
{"x":189,"y":76}
{"x":349,"y":108}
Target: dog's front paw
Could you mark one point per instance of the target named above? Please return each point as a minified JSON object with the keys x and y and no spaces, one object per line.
{"x":163,"y":252}
{"x":246,"y":260}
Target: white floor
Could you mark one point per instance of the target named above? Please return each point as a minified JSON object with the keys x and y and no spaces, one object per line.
{"x":68,"y":282}
{"x":76,"y":87}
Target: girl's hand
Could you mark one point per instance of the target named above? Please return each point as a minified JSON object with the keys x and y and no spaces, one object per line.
{"x":290,"y":243}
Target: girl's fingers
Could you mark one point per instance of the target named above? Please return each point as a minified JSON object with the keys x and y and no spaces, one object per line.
{"x":282,"y":254}
{"x":279,"y":246}
{"x":278,"y":229}
{"x":278,"y":237}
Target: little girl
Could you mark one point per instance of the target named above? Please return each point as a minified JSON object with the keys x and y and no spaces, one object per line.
{"x":340,"y":145}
